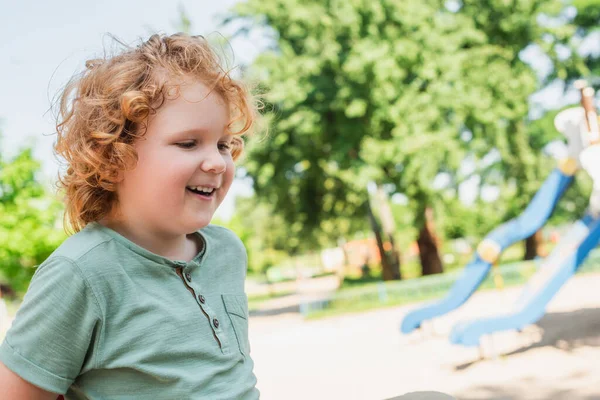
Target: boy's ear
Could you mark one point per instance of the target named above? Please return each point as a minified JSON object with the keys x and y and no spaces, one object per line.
{"x":119,"y":176}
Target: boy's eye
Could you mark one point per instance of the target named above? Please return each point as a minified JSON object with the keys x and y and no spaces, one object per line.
{"x":224,"y":146}
{"x":186,"y":145}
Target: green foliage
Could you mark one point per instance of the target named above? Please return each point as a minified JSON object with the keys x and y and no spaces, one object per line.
{"x":471,"y":221}
{"x":574,"y":65}
{"x":588,"y":22}
{"x":395,"y":92}
{"x":263,"y":232}
{"x":28,"y":220}
{"x":402,"y":93}
{"x":588,"y":14}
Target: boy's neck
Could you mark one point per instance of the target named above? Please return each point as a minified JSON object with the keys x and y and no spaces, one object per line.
{"x":173,"y":247}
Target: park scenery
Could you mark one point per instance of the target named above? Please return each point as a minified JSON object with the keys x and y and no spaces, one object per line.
{"x":421,"y":208}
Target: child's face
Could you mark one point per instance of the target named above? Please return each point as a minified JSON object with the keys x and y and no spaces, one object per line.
{"x":186,"y":145}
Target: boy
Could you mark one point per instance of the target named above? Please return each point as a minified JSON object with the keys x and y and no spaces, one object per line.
{"x":146,"y":300}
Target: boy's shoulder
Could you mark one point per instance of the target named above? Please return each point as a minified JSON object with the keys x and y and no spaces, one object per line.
{"x":86,"y":251}
{"x":82,"y":243}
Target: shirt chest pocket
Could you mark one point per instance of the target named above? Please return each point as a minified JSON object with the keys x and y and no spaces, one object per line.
{"x":237,"y":309}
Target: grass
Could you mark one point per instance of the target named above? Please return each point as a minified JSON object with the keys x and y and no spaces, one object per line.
{"x":359,"y":295}
{"x":357,"y":306}
{"x":337,"y":308}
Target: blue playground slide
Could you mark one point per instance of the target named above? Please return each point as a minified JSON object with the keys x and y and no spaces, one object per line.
{"x":530,"y":221}
{"x":554,"y":272}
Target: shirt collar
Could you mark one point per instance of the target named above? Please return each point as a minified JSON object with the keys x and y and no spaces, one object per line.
{"x":147,"y":253}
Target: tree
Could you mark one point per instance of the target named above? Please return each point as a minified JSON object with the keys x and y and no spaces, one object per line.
{"x":29,"y":219}
{"x":305,"y":168}
{"x":395,"y":92}
{"x":384,"y":235}
{"x":559,"y":36}
{"x":515,"y":26}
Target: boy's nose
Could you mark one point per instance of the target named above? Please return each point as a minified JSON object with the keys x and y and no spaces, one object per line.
{"x":213,"y":162}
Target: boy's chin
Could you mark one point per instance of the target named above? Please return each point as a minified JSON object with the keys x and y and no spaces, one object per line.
{"x":198,"y":223}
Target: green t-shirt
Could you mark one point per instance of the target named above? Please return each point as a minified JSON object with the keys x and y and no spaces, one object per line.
{"x":104,"y":318}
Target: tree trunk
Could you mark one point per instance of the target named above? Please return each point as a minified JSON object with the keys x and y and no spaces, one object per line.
{"x":389,"y":228}
{"x":427,"y":241}
{"x":390,"y":270}
{"x":394,"y":257}
{"x":532,"y":244}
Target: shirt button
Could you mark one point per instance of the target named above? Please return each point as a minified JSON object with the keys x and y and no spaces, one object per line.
{"x":216,"y":323}
{"x":188,"y":276}
{"x":202,"y":299}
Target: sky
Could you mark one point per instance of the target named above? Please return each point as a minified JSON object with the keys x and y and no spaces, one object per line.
{"x":43,"y":43}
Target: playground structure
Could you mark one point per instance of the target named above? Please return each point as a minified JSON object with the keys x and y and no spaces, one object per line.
{"x":580,"y":126}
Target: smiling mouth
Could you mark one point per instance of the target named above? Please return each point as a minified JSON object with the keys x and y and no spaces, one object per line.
{"x":206,"y":193}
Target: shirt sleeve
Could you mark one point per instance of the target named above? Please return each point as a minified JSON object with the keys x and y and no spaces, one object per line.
{"x":56,"y":328}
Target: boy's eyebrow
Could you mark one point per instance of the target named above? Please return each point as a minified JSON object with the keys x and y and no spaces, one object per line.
{"x":195,"y":131}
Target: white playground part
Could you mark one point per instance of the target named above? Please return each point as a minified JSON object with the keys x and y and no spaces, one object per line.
{"x":581,"y":146}
{"x":590,"y":161}
{"x":570,"y":123}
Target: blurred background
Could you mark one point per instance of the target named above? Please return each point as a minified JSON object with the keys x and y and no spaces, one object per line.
{"x":396,"y":135}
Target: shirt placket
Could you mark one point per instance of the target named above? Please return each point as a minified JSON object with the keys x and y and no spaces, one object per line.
{"x":184,"y":272}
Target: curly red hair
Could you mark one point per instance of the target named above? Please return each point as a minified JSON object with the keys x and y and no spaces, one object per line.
{"x":104,"y":109}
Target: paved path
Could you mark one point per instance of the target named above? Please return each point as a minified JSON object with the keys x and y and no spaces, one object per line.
{"x":364,"y":356}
